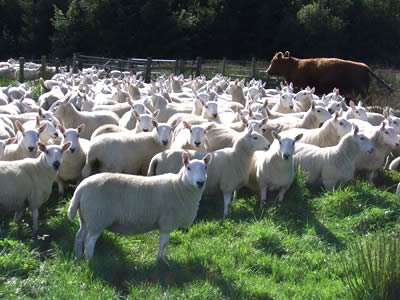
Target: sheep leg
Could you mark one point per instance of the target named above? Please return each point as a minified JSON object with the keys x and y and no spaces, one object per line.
{"x":79,"y":241}
{"x":90,"y":242}
{"x":164,"y":238}
{"x":227,"y":201}
{"x":60,"y":188}
{"x":35,"y":217}
{"x":263,"y":196}
{"x":18,"y":215}
{"x":371,"y":177}
{"x":281,"y":194}
{"x":234,"y":197}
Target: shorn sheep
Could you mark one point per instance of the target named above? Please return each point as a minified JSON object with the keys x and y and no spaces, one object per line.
{"x":273,"y":169}
{"x":135,"y":204}
{"x":332,"y":165}
{"x":134,"y":151}
{"x":29,"y":181}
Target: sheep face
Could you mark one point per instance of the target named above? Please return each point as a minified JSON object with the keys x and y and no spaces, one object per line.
{"x":389,"y":135}
{"x":53,"y":154}
{"x":363,"y":142}
{"x":357,"y":112}
{"x":341,"y":125}
{"x":145,"y":121}
{"x":211,"y":109}
{"x":259,"y":126}
{"x":321,"y":113}
{"x":139,"y":107}
{"x":304,"y":95}
{"x":164,"y":133}
{"x":47,"y":115}
{"x":286,"y":100}
{"x":71,"y":135}
{"x":50,"y":132}
{"x":257,"y":141}
{"x":394,"y":122}
{"x":286,"y":145}
{"x":30,"y":137}
{"x":334,"y":106}
{"x":195,"y":171}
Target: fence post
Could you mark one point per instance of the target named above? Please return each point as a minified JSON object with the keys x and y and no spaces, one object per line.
{"x":43,"y":67}
{"x":21,"y":70}
{"x":75,"y":63}
{"x":223,"y":66}
{"x":253,"y":67}
{"x":57,"y":65}
{"x":147,"y":73}
{"x":181,"y":66}
{"x":176,"y":67}
{"x":199,"y":62}
{"x":68,"y":63}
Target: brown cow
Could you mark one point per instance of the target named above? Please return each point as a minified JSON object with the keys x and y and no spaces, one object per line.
{"x":352,"y":78}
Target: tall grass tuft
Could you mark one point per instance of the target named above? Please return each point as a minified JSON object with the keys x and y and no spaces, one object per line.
{"x":372,"y":268}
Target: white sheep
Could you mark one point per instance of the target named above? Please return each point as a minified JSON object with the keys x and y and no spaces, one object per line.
{"x":29,"y":181}
{"x":329,"y":134}
{"x":4,"y":143}
{"x":230,"y":168}
{"x":27,"y":143}
{"x":50,"y":132}
{"x":128,"y":120}
{"x":191,"y":137}
{"x":332,"y":165}
{"x":74,"y":159}
{"x":134,"y":151}
{"x":273,"y":169}
{"x":356,"y":112}
{"x":137,"y":204}
{"x":72,"y":118}
{"x":145,"y":121}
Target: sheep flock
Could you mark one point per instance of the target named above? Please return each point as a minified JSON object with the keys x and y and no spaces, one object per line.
{"x":140,"y":156}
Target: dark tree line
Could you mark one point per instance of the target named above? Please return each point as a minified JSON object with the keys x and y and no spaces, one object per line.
{"x":367,"y":30}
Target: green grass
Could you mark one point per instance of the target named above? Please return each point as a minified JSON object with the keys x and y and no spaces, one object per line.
{"x":293,"y":251}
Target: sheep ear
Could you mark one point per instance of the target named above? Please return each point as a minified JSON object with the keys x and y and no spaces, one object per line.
{"x":265,"y":105}
{"x":209,"y":127}
{"x":383,"y":124}
{"x":61,"y":128}
{"x":312,"y":105}
{"x":207,"y":159}
{"x":186,"y":124}
{"x":65,"y":146}
{"x":155,"y":123}
{"x":37,"y":122}
{"x":42,"y":147}
{"x":42,"y":127}
{"x":19,"y":126}
{"x":185,"y":158}
{"x":355,"y":130}
{"x":313,"y":90}
{"x":276,"y":135}
{"x":40,"y":112}
{"x":156,"y":113}
{"x":360,"y":104}
{"x":250,"y":131}
{"x":136,"y":114}
{"x":244,"y":120}
{"x":10,"y":140}
{"x":336,"y":115}
{"x":352,"y":104}
{"x":264,"y":121}
{"x":80,"y":128}
{"x":298,"y":137}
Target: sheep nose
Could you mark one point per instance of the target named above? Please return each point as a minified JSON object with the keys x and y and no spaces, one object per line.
{"x":215,"y":115}
{"x":145,"y":130}
{"x":397,"y":144}
{"x":330,"y":110}
{"x":286,"y":156}
{"x":200,"y":183}
{"x":197,"y":144}
{"x":56,"y":165}
{"x":266,"y":148}
{"x":291,"y":106}
{"x":31,"y":149}
{"x":72,"y":150}
{"x":371,"y":150}
{"x":164,"y":142}
{"x":56,"y":135}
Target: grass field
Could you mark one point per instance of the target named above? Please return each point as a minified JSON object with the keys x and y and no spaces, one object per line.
{"x":295,"y":251}
{"x":288,"y":252}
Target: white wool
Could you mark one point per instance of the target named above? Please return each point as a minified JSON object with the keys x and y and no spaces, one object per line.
{"x":332,"y":165}
{"x":107,"y":128}
{"x":191,"y":137}
{"x":134,"y":151}
{"x":29,"y":181}
{"x":135,"y":204}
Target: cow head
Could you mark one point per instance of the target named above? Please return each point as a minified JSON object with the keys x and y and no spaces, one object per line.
{"x":280,"y":64}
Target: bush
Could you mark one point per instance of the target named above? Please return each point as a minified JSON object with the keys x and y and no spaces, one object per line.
{"x":372,"y":268}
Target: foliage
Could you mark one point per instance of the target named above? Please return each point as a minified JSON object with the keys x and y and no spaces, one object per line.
{"x":357,"y":29}
{"x":372,"y":268}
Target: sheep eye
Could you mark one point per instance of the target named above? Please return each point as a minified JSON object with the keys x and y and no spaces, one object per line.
{"x":206,"y":106}
{"x":357,"y":112}
{"x":255,"y":138}
{"x":361,"y":138}
{"x":395,"y":122}
{"x":293,"y":143}
{"x":65,"y":136}
{"x":386,"y":132}
{"x":264,"y":130}
{"x":341,"y":123}
{"x":188,"y":168}
{"x":318,"y":110}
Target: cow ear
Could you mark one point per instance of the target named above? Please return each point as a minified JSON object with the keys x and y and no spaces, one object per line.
{"x":279,"y":55}
{"x":287,"y":54}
